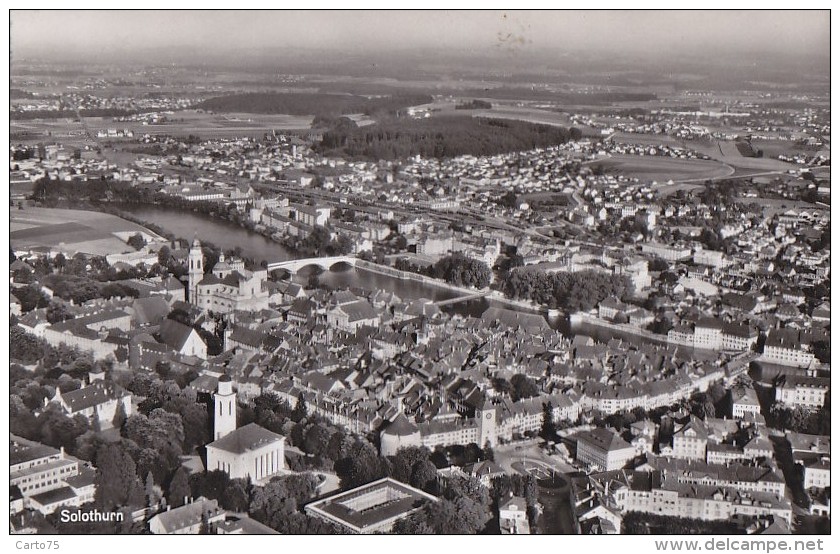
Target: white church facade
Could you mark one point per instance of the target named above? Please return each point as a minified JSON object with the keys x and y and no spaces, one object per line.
{"x":245,"y":452}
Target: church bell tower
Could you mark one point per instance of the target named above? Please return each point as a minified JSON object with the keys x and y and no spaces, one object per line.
{"x":196,"y":270}
{"x":224,"y":408}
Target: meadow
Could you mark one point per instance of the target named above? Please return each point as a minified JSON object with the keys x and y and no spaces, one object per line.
{"x":662,"y":169}
{"x":70,"y":230}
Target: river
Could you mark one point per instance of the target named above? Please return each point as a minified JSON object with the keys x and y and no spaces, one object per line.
{"x":228,"y":236}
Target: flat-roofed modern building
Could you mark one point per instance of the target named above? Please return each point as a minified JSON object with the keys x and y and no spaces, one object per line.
{"x":46,"y":477}
{"x":371,"y":508}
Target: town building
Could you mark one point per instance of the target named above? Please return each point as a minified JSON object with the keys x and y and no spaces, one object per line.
{"x":47,"y":478}
{"x":603,"y":449}
{"x":786,"y":347}
{"x":400,"y":433}
{"x":100,"y":402}
{"x":371,"y":508}
{"x":690,"y":440}
{"x":746,"y":403}
{"x":513,"y":517}
{"x":188,"y":519}
{"x":804,"y":391}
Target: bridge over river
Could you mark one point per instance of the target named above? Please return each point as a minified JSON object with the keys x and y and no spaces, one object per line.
{"x":464,"y":298}
{"x":326,"y":263}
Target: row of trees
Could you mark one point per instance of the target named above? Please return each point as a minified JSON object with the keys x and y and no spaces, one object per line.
{"x":582,"y":290}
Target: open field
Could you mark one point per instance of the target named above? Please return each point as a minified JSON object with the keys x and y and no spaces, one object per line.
{"x":187,"y":122}
{"x":645,"y":139}
{"x":192,"y":122}
{"x":773,"y":148}
{"x":529,"y":114}
{"x":37,"y":130}
{"x":822,"y":172}
{"x":727,"y":152}
{"x":662,"y":169}
{"x":779,"y":205}
{"x":70,"y":230}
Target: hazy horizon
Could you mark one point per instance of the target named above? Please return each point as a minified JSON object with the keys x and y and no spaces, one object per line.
{"x":205,"y":36}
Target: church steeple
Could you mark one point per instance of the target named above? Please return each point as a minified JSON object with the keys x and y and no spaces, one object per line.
{"x":224,"y":408}
{"x":196,"y":270}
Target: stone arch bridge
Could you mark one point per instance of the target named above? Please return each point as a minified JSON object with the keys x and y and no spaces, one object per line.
{"x":326,"y":263}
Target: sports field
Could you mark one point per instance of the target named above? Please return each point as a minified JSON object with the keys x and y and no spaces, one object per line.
{"x":71,"y":231}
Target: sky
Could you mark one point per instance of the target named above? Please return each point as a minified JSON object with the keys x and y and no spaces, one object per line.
{"x":41,"y":33}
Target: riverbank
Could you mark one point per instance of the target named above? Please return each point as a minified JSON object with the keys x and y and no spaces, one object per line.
{"x":68,"y":230}
{"x":256,"y":247}
{"x":578,"y":318}
{"x":493,"y":295}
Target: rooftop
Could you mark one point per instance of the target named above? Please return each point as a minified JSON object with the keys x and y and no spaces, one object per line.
{"x":372,"y":505}
{"x":604,"y":439}
{"x":23,"y":450}
{"x":249,"y":437}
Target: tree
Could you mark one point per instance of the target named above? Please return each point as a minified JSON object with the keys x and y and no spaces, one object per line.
{"x":416,"y":524}
{"x":160,"y":438}
{"x":31,"y":297}
{"x":179,"y":488}
{"x":523,"y":387}
{"x":235,"y":496}
{"x":58,"y":430}
{"x":27,"y":348}
{"x":406,"y":459}
{"x":116,"y":477}
{"x":57,"y":312}
{"x":152,"y":497}
{"x":196,"y":422}
{"x":487,"y":452}
{"x":164,"y":256}
{"x":548,"y":431}
{"x":272,"y":504}
{"x":461,"y":270}
{"x":300,"y":409}
{"x":119,"y":416}
{"x":360,"y":465}
{"x":424,"y":476}
{"x":462,"y":516}
{"x":60,"y":261}
{"x":210,"y":484}
{"x":136,"y":241}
